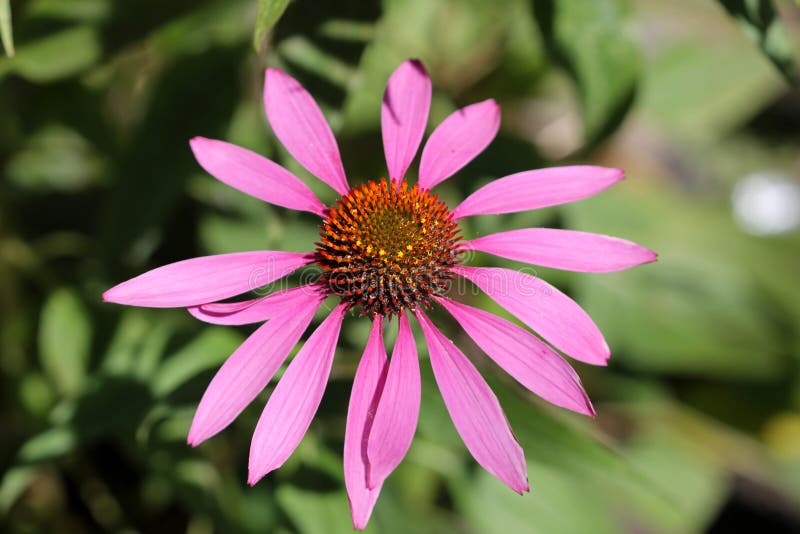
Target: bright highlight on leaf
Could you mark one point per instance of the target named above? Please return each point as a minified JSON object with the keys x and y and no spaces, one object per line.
{"x":6,"y":34}
{"x":269,"y":12}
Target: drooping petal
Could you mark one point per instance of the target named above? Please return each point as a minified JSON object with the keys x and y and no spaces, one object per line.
{"x":255,"y":175}
{"x":522,"y":355}
{"x":206,"y":279}
{"x":248,"y":371}
{"x":404,"y":114}
{"x":536,"y":189}
{"x":398,"y":409}
{"x":545,"y":309}
{"x":292,"y":405}
{"x":474,"y":409}
{"x":457,"y":140}
{"x":367,"y":387}
{"x":564,"y":249}
{"x":301,"y":127}
{"x":258,"y":309}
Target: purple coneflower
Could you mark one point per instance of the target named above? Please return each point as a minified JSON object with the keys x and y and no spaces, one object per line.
{"x":389,"y":249}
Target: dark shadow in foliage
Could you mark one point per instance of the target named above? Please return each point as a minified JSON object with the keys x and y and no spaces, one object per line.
{"x":157,"y":163}
{"x":763,"y":26}
{"x":133,"y":20}
{"x":545,"y":14}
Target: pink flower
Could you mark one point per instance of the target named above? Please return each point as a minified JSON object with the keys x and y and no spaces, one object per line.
{"x":389,"y":249}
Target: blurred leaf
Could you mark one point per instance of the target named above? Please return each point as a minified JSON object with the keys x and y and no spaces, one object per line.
{"x":222,"y":235}
{"x":696,"y":310}
{"x":204,"y":352}
{"x":141,"y":336}
{"x":269,"y":11}
{"x":304,"y":53}
{"x":36,"y":394}
{"x":6,"y":34}
{"x":54,"y":57}
{"x":52,"y":443}
{"x":491,"y":507}
{"x":150,"y":184}
{"x":65,"y":333}
{"x":110,"y":405}
{"x":762,"y":25}
{"x":593,"y":41}
{"x":348,"y":30}
{"x":695,"y":489}
{"x":458,"y":42}
{"x":316,"y":513}
{"x":77,"y":10}
{"x":696,"y":89}
{"x":201,"y":29}
{"x":56,"y":158}
{"x":13,"y":484}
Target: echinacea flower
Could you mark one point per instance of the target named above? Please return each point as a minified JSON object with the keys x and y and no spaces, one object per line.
{"x":388,"y":249}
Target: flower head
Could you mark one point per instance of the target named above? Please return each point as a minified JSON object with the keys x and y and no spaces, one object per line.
{"x":388,"y":250}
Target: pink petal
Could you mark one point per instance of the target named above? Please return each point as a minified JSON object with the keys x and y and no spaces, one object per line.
{"x":474,"y":409}
{"x":398,"y":409}
{"x":206,"y":279}
{"x":292,"y":405}
{"x":256,"y":310}
{"x":457,"y":140}
{"x":248,"y":371}
{"x":564,"y":249}
{"x":301,"y":127}
{"x":404,"y":114}
{"x":522,"y":355}
{"x":255,"y":175}
{"x":367,"y":386}
{"x":541,"y":188}
{"x":545,"y":309}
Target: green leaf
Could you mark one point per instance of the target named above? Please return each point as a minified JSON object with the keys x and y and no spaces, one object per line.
{"x":697,"y":310}
{"x":6,"y":35}
{"x":56,"y":158}
{"x":490,"y":506}
{"x":77,"y":10}
{"x":14,"y":483}
{"x":52,"y":443}
{"x":315,"y":513}
{"x":759,"y":20}
{"x":269,"y":11}
{"x":54,"y":57}
{"x":138,"y":342}
{"x":592,"y":40}
{"x":697,"y":90}
{"x":303,"y":52}
{"x":204,"y":352}
{"x":110,"y":405}
{"x":65,"y":333}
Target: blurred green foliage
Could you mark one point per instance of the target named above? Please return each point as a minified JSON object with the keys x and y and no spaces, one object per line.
{"x":698,"y":423}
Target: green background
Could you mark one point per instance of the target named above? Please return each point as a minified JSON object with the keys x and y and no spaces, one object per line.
{"x":698,"y":426}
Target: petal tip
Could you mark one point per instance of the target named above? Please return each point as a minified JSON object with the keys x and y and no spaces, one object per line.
{"x":252,"y":478}
{"x":112,"y":296}
{"x":415,"y":62}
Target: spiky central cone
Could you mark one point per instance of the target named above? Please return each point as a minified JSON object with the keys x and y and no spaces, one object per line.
{"x":385,"y":247}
